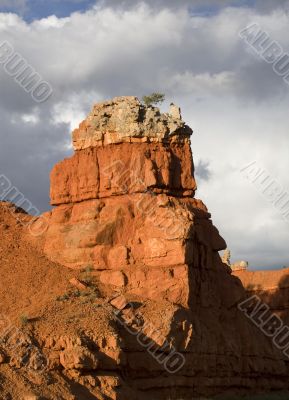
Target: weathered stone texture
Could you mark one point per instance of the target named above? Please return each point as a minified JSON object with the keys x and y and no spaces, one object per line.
{"x":125,"y":207}
{"x":125,"y":119}
{"x":121,"y":169}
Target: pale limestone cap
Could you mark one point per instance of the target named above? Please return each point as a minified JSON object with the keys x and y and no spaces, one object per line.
{"x":126,"y":119}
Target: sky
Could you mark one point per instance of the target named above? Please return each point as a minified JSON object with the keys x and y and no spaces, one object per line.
{"x":191,"y":50}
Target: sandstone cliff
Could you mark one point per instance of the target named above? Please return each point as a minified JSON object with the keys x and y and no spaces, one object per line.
{"x":272,"y":287}
{"x":151,"y":310}
{"x":125,"y":203}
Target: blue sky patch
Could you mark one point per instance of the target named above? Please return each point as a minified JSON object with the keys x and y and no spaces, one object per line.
{"x":37,"y":9}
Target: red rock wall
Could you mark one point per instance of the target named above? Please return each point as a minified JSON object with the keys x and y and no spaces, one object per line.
{"x":123,"y":168}
{"x":127,"y":211}
{"x":271,"y":286}
{"x":143,"y":242}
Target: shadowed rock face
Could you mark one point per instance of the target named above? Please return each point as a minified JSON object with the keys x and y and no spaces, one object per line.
{"x":125,"y":207}
{"x":272,"y":287}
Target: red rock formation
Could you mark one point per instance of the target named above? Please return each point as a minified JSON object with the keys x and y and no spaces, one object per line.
{"x":125,"y":207}
{"x":272,"y":287}
{"x":125,"y":168}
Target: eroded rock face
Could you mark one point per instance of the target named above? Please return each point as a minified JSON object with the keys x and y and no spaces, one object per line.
{"x":142,"y":243}
{"x":125,"y":208}
{"x":125,"y":202}
{"x":125,"y":168}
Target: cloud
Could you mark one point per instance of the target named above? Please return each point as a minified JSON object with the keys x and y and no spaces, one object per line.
{"x":233,"y":100}
{"x":30,"y":146}
{"x":202,"y":171}
{"x":267,"y":6}
{"x":202,"y":6}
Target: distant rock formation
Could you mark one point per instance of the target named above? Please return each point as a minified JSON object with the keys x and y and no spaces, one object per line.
{"x":237,"y":266}
{"x":271,"y":286}
{"x":240,"y":266}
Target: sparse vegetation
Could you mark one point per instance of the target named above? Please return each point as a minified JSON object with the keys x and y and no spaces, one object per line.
{"x":87,"y":279}
{"x":64,"y":297}
{"x":24,"y":319}
{"x":153,"y":99}
{"x":88,"y":295}
{"x":86,"y":276}
{"x":89,"y":269}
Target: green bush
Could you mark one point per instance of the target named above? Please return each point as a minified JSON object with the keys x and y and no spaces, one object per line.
{"x":24,"y":319}
{"x":154,"y":98}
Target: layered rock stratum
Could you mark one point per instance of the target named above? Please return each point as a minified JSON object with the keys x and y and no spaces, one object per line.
{"x":145,"y":309}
